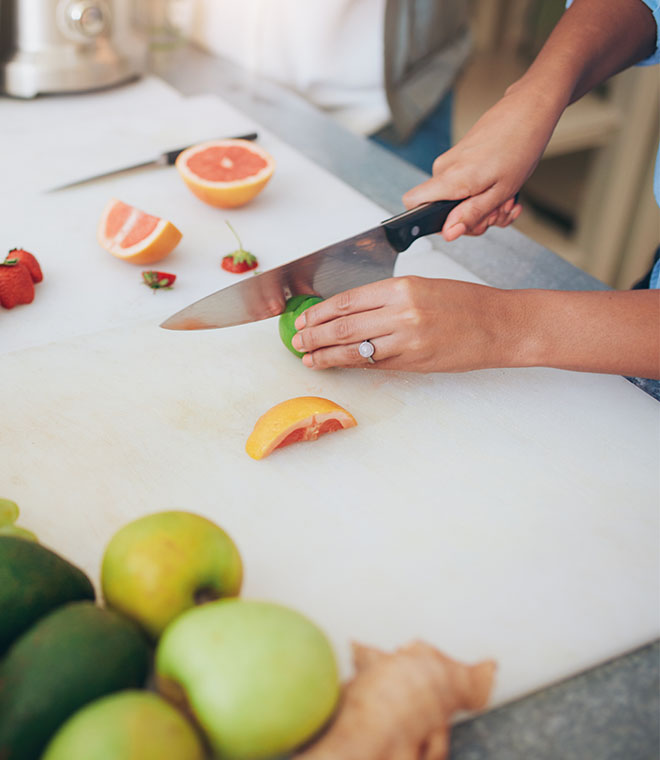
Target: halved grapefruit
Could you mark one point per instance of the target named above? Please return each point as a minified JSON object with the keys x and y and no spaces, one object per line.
{"x":225,"y":173}
{"x":304,"y":418}
{"x":133,"y":235}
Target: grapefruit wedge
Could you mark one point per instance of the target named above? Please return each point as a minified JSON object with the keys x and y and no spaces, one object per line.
{"x":133,"y":235}
{"x":225,"y":173}
{"x":304,"y":418}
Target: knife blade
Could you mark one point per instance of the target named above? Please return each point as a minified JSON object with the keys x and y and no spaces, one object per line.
{"x":164,"y":159}
{"x":356,"y":261}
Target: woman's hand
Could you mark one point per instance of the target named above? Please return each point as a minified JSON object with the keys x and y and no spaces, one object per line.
{"x":426,"y":325}
{"x":489,"y":165}
{"x":415,"y":324}
{"x":591,"y":41}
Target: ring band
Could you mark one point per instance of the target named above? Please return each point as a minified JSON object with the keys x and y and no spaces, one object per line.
{"x":366,"y":350}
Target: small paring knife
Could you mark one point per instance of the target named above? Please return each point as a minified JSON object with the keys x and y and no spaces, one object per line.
{"x":165,"y":159}
{"x":348,"y":264}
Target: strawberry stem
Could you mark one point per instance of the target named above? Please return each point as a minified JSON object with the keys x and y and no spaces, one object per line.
{"x":240,"y":245}
{"x":240,"y":256}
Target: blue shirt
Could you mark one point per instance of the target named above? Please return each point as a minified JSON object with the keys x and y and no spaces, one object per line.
{"x":654,"y":6}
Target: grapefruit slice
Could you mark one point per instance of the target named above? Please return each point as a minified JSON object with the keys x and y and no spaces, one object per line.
{"x":133,"y":235}
{"x":225,"y":173}
{"x":304,"y":418}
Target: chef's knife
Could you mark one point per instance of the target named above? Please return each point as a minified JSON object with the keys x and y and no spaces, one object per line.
{"x":165,"y":159}
{"x":350,"y":263}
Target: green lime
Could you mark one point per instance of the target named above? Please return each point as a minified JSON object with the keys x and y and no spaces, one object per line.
{"x":293,"y":309}
{"x":15,"y":531}
{"x":8,"y":511}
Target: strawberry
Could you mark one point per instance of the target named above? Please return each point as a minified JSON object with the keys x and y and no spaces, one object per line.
{"x":240,"y":260}
{"x":30,"y":262}
{"x":16,"y":286}
{"x":158,"y":280}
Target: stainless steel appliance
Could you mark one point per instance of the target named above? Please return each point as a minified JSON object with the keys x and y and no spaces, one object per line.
{"x":51,"y":46}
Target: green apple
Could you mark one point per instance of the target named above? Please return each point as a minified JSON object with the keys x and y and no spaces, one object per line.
{"x":156,"y":567}
{"x":259,"y":679}
{"x":8,"y":511}
{"x":128,"y":725}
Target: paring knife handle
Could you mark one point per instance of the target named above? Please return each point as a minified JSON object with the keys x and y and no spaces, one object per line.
{"x":403,"y":229}
{"x":169,"y":157}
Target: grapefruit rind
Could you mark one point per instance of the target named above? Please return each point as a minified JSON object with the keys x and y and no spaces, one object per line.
{"x":158,"y":244}
{"x":304,"y":418}
{"x":225,"y":193}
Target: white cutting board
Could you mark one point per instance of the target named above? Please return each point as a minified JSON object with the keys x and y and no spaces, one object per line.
{"x":85,"y":289}
{"x":506,"y":514}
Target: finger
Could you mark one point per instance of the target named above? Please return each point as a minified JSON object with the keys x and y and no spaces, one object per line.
{"x":474,"y":211}
{"x":419,"y":194}
{"x":506,"y":219}
{"x":355,"y":300}
{"x":349,"y":355}
{"x":455,"y":231}
{"x":437,"y":745}
{"x":478,"y":230}
{"x":342,"y":331}
{"x":503,"y":220}
{"x":436,"y":188}
{"x":503,"y":217}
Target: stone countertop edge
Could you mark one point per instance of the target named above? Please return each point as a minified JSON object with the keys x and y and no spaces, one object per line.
{"x":610,"y":712}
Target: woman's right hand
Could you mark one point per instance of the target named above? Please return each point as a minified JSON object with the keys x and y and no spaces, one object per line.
{"x":489,"y":165}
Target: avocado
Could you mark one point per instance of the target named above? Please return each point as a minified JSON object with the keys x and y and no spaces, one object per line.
{"x":75,"y":654}
{"x":18,"y":532}
{"x":33,"y":582}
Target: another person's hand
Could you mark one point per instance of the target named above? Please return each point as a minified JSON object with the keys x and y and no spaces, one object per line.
{"x":415,"y":324}
{"x":489,"y":165}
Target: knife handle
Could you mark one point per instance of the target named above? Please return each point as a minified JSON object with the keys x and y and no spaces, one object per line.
{"x":168,"y":158}
{"x":403,"y":229}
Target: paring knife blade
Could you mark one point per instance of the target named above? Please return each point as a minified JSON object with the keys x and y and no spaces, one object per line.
{"x":165,"y":159}
{"x":356,"y":261}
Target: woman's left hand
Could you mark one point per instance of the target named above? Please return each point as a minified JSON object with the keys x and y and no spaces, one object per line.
{"x":414,"y":323}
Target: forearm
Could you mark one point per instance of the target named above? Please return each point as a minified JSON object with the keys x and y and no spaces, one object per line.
{"x":611,"y":332}
{"x":592,"y":41}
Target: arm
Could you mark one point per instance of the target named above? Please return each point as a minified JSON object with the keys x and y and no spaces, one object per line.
{"x":592,"y":41}
{"x":429,"y":325}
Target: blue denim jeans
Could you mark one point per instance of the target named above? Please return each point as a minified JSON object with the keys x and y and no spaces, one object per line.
{"x":430,"y":139}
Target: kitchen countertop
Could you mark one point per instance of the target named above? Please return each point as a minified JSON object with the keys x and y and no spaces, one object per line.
{"x":608,"y":713}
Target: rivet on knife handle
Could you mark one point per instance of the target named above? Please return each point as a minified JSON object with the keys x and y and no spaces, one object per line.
{"x":403,"y":229}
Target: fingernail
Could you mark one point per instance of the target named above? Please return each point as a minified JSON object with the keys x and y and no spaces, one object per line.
{"x":307,"y":360}
{"x":296,"y":342}
{"x":301,"y":321}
